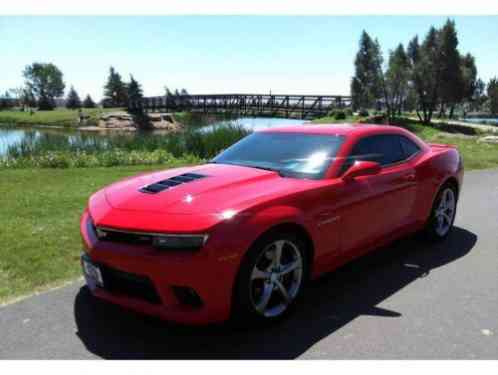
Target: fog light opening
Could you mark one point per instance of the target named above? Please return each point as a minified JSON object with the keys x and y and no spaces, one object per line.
{"x":187,"y":296}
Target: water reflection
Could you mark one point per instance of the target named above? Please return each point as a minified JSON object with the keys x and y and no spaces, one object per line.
{"x":70,"y":139}
{"x":483,"y":120}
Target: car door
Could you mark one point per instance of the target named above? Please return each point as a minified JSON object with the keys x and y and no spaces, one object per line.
{"x":387,"y":198}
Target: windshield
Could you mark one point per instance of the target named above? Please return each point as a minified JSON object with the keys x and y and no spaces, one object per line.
{"x":290,"y":154}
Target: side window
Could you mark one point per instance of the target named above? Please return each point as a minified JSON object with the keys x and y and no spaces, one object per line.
{"x":383,"y":149}
{"x":362,"y":151}
{"x":409,"y":147}
{"x":389,"y":147}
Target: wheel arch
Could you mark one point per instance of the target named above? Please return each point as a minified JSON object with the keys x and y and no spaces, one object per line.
{"x":283,"y":227}
{"x":295,"y":228}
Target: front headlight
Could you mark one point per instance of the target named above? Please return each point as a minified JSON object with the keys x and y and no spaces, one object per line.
{"x":180,"y":241}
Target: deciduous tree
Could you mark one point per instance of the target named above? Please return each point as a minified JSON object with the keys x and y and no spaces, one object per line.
{"x":45,"y":83}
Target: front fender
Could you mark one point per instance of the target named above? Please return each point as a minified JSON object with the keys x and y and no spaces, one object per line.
{"x":241,"y":231}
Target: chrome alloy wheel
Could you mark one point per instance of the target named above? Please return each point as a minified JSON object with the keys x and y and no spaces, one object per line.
{"x":445,"y":212}
{"x":276,"y":278}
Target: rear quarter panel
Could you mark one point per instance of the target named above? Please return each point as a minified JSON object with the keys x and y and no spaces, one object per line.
{"x":434,"y":168}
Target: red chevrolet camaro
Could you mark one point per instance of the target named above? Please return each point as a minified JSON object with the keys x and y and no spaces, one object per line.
{"x":241,"y":235}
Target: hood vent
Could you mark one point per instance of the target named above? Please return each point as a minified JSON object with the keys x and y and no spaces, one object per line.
{"x":159,"y":186}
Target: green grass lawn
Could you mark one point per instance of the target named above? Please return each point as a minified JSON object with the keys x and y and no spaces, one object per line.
{"x":57,"y":117}
{"x":39,"y":223}
{"x":476,"y":155}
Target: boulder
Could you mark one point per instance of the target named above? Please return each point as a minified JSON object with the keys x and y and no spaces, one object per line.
{"x":117,"y":120}
{"x":488,"y":139}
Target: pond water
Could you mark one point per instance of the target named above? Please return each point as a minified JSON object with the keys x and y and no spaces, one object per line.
{"x":483,"y":120}
{"x":14,"y":136}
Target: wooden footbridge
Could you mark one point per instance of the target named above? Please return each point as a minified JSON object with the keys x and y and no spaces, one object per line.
{"x":286,"y":106}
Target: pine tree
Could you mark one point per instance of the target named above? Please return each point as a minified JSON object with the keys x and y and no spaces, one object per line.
{"x":396,"y":81}
{"x":469,"y":78}
{"x":493,"y":96}
{"x":479,"y":96}
{"x":73,"y":100}
{"x":365,"y":86}
{"x":451,"y":85}
{"x":135,"y":92}
{"x":88,"y":102}
{"x":115,"y":90}
{"x":167,"y":91}
{"x":426,"y":66}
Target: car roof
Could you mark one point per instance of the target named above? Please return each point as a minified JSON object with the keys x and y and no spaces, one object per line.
{"x":336,"y":129}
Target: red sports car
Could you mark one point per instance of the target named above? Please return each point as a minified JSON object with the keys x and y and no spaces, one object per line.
{"x":241,"y":235}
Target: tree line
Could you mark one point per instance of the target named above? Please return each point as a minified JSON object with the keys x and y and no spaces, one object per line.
{"x":426,"y":77}
{"x":44,"y":84}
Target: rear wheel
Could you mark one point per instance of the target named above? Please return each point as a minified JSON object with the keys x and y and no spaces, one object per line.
{"x":443,"y":213}
{"x":271,"y":278}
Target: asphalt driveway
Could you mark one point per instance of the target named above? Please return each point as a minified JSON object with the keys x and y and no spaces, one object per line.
{"x":410,"y":300}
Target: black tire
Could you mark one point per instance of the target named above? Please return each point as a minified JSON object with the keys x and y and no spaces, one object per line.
{"x":431,"y":231}
{"x":244,"y":306}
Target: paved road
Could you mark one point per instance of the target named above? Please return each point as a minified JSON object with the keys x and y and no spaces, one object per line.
{"x":410,"y":300}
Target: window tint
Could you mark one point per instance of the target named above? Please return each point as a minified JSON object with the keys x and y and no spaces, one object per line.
{"x":383,"y":149}
{"x":409,"y":147}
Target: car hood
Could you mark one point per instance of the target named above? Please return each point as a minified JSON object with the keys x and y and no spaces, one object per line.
{"x":224,"y":187}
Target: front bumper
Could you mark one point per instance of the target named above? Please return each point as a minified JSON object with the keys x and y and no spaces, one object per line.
{"x":209,"y":272}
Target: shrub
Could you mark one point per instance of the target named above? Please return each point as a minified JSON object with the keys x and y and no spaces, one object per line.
{"x":363,"y":113}
{"x":110,"y":158}
{"x":340,"y":115}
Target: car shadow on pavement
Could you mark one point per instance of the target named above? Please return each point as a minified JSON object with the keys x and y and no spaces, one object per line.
{"x":329,"y":303}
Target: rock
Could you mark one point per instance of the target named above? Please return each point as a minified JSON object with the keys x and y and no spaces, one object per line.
{"x":117,"y":120}
{"x":151,"y":121}
{"x":164,"y":121}
{"x":488,"y":139}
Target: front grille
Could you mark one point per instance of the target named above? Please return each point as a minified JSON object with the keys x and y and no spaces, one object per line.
{"x":129,"y":284}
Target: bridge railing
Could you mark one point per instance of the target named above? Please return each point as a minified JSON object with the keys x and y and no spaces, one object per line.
{"x":291,"y":106}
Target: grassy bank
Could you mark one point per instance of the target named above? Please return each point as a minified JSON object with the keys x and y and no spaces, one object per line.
{"x":40,"y":210}
{"x":55,"y":150}
{"x":57,"y":117}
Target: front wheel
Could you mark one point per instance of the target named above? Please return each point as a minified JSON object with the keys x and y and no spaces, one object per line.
{"x":443,"y":213}
{"x":271,"y":278}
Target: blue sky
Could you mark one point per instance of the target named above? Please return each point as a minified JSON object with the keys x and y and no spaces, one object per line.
{"x":220,"y":54}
